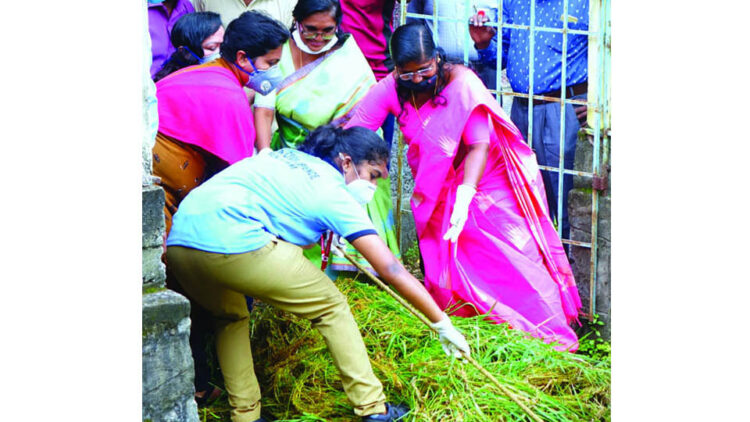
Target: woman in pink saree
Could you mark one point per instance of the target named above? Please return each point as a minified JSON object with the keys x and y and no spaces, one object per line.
{"x":488,"y":244}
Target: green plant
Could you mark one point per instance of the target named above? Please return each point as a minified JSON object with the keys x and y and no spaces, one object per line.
{"x":591,"y":342}
{"x":411,"y":259}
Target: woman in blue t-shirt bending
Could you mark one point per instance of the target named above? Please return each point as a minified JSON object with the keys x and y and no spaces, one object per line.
{"x":242,"y":233}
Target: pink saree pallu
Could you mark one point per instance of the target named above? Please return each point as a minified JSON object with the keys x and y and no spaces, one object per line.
{"x":206,"y":106}
{"x":508,"y":261}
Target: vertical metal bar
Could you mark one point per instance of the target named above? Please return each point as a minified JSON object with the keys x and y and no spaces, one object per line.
{"x":606,"y":57}
{"x":499,"y":56}
{"x":563,"y":95}
{"x":604,"y":38}
{"x":399,"y":158}
{"x":532,"y":27}
{"x":593,"y":53}
{"x":399,"y":187}
{"x":465,"y":33}
{"x":435,"y":21}
{"x":597,"y":18}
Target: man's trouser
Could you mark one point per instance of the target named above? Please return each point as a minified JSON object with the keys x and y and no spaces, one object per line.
{"x":279,"y":275}
{"x":546,"y":144}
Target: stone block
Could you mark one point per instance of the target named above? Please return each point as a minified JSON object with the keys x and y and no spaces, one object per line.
{"x":167,"y":363}
{"x":579,"y":212}
{"x":152,"y":220}
{"x":152,"y":267}
{"x":583,"y":160}
{"x":408,"y":229}
{"x":152,"y":236}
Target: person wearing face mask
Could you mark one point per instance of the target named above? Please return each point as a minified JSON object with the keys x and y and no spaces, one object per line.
{"x":204,"y":120}
{"x":206,"y":124}
{"x":325,"y":75}
{"x":479,"y":204}
{"x":197,"y":38}
{"x":242,"y":233}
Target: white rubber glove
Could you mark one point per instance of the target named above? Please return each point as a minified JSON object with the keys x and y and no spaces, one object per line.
{"x":451,"y":340}
{"x":464,"y":194}
{"x":264,"y":151}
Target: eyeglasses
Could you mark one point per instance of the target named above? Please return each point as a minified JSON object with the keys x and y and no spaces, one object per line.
{"x":325,"y":33}
{"x":420,"y":72}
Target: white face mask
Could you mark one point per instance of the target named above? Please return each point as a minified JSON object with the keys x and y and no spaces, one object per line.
{"x":210,"y":58}
{"x":362,"y":190}
{"x":302,"y":46}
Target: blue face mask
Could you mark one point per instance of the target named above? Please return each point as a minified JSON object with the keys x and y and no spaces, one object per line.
{"x":424,"y":85}
{"x":155,"y":1}
{"x":263,"y":81}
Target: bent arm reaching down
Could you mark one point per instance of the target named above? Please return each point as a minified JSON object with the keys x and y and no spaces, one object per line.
{"x":382,"y":260}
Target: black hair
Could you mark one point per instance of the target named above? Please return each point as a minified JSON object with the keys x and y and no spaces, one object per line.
{"x":192,"y":29}
{"x":413,"y":43}
{"x":362,"y":144}
{"x":305,"y":8}
{"x":255,"y":33}
{"x":187,"y":37}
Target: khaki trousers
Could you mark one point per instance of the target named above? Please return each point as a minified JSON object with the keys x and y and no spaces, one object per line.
{"x":279,"y":275}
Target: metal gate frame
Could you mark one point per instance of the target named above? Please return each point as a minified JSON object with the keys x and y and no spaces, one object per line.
{"x":598,"y":103}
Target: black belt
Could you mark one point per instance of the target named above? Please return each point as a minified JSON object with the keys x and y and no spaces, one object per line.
{"x":570,"y":92}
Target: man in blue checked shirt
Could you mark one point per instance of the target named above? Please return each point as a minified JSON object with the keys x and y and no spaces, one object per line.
{"x":547,"y":79}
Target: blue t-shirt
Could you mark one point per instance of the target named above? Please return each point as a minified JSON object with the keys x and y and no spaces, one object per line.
{"x":285,"y":194}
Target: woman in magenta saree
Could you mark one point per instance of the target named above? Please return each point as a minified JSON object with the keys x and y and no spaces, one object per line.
{"x":488,"y":244}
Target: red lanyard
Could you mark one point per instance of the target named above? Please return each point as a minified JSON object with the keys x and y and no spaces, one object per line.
{"x":325,"y":248}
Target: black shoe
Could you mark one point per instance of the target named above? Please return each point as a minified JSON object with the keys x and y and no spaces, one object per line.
{"x":395,"y":412}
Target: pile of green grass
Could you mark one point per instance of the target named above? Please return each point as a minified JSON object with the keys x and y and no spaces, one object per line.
{"x":299,"y":382}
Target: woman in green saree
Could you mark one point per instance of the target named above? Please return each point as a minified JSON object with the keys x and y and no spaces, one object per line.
{"x":325,"y":75}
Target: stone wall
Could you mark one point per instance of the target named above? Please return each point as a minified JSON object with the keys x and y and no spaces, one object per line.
{"x":167,"y":362}
{"x":579,"y":211}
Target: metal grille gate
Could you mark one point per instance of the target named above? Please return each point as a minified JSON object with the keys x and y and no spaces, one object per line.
{"x":597,"y":129}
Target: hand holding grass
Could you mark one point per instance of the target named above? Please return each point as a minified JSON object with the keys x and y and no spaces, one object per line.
{"x":452,"y":340}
